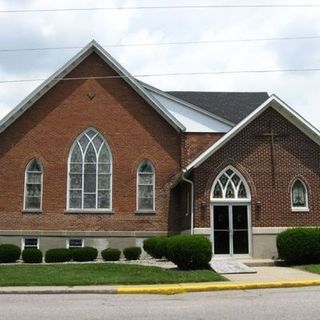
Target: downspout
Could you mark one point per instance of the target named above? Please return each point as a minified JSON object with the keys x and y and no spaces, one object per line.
{"x":192,"y":198}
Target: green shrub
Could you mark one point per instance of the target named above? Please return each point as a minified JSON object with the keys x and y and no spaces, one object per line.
{"x":132,"y":253}
{"x":84,"y":254}
{"x":58,"y":255}
{"x":32,"y":255}
{"x":9,"y":253}
{"x":111,"y":254}
{"x":156,"y":247}
{"x":189,"y":252}
{"x":299,"y":245}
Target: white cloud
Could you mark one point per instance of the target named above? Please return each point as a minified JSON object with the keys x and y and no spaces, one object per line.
{"x":143,"y":26}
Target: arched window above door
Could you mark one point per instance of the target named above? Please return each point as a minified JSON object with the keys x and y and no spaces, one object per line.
{"x":230,"y":185}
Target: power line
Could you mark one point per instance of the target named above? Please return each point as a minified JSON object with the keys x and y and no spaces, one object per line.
{"x":166,"y":74}
{"x":240,"y":6}
{"x":165,"y":43}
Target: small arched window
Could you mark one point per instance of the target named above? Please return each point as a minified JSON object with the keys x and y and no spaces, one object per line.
{"x":299,"y":196}
{"x":145,"y":187}
{"x":33,"y":186}
{"x":90,"y":173}
{"x":230,"y":186}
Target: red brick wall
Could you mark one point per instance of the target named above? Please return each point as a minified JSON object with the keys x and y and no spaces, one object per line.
{"x":194,"y":143}
{"x":133,"y":130}
{"x":295,"y":156}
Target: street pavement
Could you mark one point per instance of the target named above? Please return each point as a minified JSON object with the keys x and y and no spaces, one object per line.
{"x":299,"y":303}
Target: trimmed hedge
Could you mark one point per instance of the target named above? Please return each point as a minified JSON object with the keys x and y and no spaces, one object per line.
{"x":132,"y":253}
{"x":111,"y":254}
{"x":189,"y":252}
{"x":299,"y":245}
{"x":9,"y":253}
{"x":32,"y":255}
{"x":84,"y":254}
{"x":58,"y":255}
{"x":156,"y":247}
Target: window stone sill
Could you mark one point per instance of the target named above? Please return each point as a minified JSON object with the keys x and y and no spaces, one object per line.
{"x":300,"y":209}
{"x":71,"y":211}
{"x":145,"y":213}
{"x":32,"y":211}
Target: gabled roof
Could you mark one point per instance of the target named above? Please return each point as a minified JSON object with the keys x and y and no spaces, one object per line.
{"x":232,"y":106}
{"x":93,"y":46}
{"x":272,"y":102}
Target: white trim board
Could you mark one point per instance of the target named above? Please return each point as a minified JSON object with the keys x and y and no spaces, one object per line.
{"x":93,"y":46}
{"x":273,"y":102}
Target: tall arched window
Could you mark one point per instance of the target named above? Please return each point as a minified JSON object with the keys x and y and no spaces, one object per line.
{"x":33,"y":186}
{"x":145,"y":187}
{"x":299,"y":196}
{"x":230,"y":185}
{"x":90,"y":173}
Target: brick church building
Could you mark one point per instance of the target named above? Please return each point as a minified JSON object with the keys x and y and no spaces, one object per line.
{"x":95,"y":157}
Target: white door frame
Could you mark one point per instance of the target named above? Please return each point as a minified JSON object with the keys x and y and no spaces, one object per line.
{"x":230,"y":204}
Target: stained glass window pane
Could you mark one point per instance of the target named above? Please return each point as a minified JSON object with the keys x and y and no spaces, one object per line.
{"x":75,"y":181}
{"x":104,"y":168}
{"x":242,"y":192}
{"x":104,"y":181}
{"x":229,"y":172}
{"x":89,"y":183}
{"x":224,"y":180}
{"x":217,"y":192}
{"x":34,"y":178}
{"x":235,"y":179}
{"x":83,"y":142}
{"x":90,"y":156}
{"x":146,"y":168}
{"x":230,"y":191}
{"x":91,"y":133}
{"x":76,"y":154}
{"x":75,"y":199}
{"x":89,"y":201}
{"x":103,"y":199}
{"x":34,"y":166}
{"x":299,"y":194}
{"x":104,"y":154}
{"x":145,"y":179}
{"x":97,"y":141}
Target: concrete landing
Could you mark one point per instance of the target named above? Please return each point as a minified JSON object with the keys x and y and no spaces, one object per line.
{"x":230,"y":266}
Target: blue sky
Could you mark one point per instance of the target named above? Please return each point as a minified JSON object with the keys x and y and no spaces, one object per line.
{"x":299,"y":90}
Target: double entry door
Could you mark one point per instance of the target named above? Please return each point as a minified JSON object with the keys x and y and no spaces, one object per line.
{"x":231,"y":233}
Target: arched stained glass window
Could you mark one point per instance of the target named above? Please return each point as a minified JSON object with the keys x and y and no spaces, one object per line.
{"x":299,"y":195}
{"x":145,"y":186}
{"x":230,"y":185}
{"x":90,"y":173}
{"x":33,"y":186}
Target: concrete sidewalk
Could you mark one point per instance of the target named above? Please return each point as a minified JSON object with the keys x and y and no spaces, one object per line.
{"x":266,"y":277}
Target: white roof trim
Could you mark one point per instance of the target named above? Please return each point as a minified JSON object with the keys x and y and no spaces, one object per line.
{"x":187,"y":104}
{"x":273,"y":102}
{"x":93,"y":46}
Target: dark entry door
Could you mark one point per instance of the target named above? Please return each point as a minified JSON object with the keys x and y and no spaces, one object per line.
{"x":230,"y":229}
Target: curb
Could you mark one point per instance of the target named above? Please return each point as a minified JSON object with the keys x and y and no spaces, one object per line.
{"x":160,"y":289}
{"x":185,"y":288}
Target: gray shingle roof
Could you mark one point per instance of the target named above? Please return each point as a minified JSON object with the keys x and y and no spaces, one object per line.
{"x":232,"y":106}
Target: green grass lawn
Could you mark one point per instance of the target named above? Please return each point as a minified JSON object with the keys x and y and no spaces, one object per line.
{"x":97,"y":274}
{"x":314,"y":268}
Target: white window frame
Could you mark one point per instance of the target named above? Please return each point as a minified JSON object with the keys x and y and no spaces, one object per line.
{"x":295,"y":208}
{"x":153,"y":185}
{"x":25,"y":209}
{"x":68,"y":243}
{"x":23,"y":240}
{"x":93,"y":210}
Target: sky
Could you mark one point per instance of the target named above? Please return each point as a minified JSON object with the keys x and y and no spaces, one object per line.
{"x":58,"y":29}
